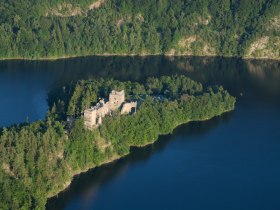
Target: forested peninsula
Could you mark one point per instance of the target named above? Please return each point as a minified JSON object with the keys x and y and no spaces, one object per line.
{"x":51,"y":29}
{"x":38,"y":160}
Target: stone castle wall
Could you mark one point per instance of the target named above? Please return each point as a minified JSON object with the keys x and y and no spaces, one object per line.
{"x":129,"y":107}
{"x":93,"y":116}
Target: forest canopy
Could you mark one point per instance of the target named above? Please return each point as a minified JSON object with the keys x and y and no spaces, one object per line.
{"x":60,"y":28}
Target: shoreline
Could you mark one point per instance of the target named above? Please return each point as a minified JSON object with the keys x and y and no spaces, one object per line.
{"x":66,"y":57}
{"x":77,"y":173}
{"x":68,"y":183}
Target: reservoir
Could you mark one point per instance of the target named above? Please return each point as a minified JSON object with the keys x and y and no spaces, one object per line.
{"x":229,"y":162}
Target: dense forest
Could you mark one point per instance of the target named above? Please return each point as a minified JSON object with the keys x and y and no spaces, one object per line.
{"x":39,"y":159}
{"x":62,"y":28}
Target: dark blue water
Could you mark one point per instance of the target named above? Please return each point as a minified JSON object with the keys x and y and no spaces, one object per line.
{"x":230,"y":162}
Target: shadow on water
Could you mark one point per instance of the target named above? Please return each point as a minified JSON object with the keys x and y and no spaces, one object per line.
{"x":96,"y":178}
{"x":234,"y":74}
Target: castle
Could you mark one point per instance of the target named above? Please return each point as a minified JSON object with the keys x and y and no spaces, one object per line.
{"x":93,"y":116}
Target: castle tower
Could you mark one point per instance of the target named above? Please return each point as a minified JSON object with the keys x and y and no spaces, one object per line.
{"x":116,"y":99}
{"x":90,"y":119}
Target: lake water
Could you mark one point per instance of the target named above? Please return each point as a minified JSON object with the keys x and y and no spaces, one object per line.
{"x":230,"y":162}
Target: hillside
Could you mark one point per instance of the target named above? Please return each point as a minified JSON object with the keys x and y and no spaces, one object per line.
{"x":61,"y":28}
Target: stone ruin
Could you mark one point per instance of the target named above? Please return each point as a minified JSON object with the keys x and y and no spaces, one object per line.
{"x":128,"y":108}
{"x":116,"y":99}
{"x":93,"y":116}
